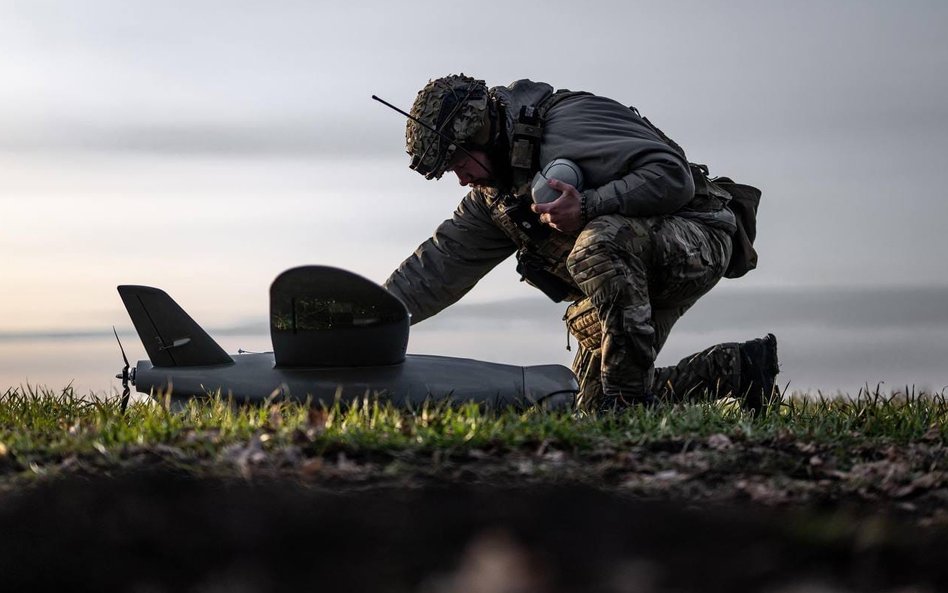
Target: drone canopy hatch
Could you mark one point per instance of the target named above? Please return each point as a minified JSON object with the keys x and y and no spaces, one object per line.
{"x":326,"y":317}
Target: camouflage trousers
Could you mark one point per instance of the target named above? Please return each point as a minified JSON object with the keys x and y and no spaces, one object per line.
{"x":639,"y":276}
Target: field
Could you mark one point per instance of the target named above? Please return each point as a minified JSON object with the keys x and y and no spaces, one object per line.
{"x":814,"y":495}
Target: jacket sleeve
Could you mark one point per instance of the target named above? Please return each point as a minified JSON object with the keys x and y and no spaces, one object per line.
{"x":653,"y":187}
{"x":445,"y":267}
{"x":628,"y":169}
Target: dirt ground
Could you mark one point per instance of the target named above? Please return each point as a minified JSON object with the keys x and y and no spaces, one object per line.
{"x":675,"y":516}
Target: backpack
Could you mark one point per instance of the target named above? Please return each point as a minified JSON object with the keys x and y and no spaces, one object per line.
{"x":743,"y":204}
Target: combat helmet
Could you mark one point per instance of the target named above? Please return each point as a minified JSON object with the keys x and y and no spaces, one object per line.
{"x":457,"y":107}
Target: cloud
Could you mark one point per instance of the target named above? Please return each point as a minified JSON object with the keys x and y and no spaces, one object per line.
{"x":303,"y":137}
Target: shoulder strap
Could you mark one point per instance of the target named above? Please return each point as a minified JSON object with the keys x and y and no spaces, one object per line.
{"x":527,"y":132}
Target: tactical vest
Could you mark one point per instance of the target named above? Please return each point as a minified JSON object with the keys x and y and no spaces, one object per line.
{"x":542,"y":251}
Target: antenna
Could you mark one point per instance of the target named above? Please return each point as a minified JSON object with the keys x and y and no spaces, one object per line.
{"x":438,"y":132}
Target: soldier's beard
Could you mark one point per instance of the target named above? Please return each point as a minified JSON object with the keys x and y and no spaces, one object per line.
{"x":487,"y":179}
{"x":491,"y":164}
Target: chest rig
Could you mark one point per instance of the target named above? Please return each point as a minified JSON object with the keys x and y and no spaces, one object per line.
{"x":542,"y":251}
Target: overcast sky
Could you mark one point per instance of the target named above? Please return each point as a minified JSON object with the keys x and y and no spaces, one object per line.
{"x":205,"y":146}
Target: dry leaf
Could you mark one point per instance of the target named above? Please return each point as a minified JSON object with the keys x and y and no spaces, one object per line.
{"x":318,"y":418}
{"x":313,"y":466}
{"x":720,"y":442}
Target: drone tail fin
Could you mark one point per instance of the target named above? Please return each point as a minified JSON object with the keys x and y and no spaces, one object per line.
{"x":170,"y":336}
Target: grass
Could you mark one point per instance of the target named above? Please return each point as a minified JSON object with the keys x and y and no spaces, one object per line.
{"x":38,"y":424}
{"x":869,"y":450}
{"x":837,"y":462}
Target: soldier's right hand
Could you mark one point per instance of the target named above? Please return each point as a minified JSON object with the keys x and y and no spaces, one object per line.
{"x":564,"y":213}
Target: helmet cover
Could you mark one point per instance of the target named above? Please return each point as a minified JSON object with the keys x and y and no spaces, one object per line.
{"x":456,"y":106}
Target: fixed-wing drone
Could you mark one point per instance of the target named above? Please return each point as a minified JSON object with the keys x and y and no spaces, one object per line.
{"x":335,"y":335}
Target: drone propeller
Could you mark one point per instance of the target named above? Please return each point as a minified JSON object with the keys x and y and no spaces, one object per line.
{"x":124,"y":375}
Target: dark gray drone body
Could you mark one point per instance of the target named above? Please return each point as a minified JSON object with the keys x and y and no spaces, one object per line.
{"x":335,"y":335}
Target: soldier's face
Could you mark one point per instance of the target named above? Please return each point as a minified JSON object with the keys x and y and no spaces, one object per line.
{"x":471,"y":170}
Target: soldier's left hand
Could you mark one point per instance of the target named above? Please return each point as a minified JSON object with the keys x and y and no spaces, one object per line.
{"x":563,"y":213}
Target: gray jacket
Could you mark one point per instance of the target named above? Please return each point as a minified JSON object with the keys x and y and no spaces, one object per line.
{"x":627,"y":168}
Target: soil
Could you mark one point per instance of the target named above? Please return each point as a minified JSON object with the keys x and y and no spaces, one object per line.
{"x":669,"y":516}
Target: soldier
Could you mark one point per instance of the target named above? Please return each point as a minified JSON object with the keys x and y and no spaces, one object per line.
{"x":633,"y":251}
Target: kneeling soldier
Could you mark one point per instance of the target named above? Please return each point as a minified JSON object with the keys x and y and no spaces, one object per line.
{"x":633,"y":251}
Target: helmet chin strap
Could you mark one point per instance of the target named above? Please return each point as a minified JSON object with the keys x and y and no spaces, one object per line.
{"x":498,"y":148}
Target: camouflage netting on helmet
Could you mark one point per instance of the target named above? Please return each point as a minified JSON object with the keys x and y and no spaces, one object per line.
{"x":456,"y":106}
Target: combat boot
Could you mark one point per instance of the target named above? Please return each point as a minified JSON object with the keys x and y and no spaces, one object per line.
{"x":759,"y":368}
{"x":618,"y":404}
